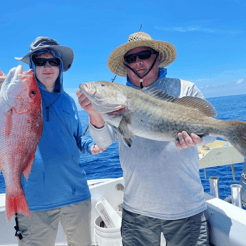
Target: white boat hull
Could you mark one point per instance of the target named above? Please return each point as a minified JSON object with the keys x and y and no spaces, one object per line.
{"x":227,"y":222}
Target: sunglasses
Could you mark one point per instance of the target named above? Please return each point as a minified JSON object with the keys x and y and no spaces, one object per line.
{"x":142,"y":55}
{"x":54,"y":62}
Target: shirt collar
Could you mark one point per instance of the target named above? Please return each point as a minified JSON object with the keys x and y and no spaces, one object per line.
{"x":162,"y":74}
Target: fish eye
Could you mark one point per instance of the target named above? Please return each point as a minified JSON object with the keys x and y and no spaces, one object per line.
{"x":33,"y":92}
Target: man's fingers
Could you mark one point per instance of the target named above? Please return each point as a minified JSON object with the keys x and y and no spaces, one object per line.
{"x":196,"y":139}
{"x":2,"y":77}
{"x":78,"y":93}
{"x":185,"y":140}
{"x":182,"y":139}
{"x":95,"y":149}
{"x":177,"y":144}
{"x":188,"y":140}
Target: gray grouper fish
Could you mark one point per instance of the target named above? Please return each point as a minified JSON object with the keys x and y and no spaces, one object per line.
{"x":155,"y":115}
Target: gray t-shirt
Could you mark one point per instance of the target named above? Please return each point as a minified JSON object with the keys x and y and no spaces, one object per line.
{"x":160,"y":180}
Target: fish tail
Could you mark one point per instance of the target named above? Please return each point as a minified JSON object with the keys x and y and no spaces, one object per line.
{"x":16,"y":204}
{"x":237,"y":135}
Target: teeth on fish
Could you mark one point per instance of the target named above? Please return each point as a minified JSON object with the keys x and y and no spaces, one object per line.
{"x":20,"y":130}
{"x":155,"y":115}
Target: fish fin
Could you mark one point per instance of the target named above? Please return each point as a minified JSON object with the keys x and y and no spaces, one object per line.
{"x":236,"y":135}
{"x":193,"y":102}
{"x":16,"y":204}
{"x":128,"y":141}
{"x":158,"y":94}
{"x":124,"y":131}
{"x":28,"y":169}
{"x":197,"y":103}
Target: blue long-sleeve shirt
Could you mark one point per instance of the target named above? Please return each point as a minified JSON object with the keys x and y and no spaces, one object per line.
{"x":56,"y":178}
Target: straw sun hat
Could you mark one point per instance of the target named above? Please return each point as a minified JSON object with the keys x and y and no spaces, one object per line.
{"x":115,"y":61}
{"x":41,"y":43}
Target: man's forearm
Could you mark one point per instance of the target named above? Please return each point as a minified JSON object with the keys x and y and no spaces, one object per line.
{"x":96,"y":120}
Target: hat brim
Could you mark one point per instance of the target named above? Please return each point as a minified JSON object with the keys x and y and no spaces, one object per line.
{"x":115,"y":61}
{"x":66,"y":54}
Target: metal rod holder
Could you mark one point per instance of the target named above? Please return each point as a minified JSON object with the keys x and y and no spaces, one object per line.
{"x":236,"y":195}
{"x":214,"y":186}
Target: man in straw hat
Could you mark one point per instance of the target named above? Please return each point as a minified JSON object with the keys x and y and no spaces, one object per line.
{"x":56,"y":190}
{"x":163,"y":191}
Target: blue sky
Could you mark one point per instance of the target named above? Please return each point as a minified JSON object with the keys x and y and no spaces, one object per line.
{"x":210,"y":37}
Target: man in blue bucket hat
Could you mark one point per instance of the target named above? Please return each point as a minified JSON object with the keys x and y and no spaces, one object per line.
{"x":56,"y":190}
{"x":163,"y":191}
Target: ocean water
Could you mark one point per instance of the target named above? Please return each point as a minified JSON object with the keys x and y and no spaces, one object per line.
{"x":107,"y":165}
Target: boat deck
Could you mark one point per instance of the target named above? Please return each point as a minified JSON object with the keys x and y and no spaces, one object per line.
{"x":227,"y":222}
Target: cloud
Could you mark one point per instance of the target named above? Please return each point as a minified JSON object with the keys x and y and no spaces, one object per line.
{"x":229,"y":88}
{"x":199,"y":80}
{"x":196,"y":29}
{"x":185,"y":29}
{"x":239,"y":81}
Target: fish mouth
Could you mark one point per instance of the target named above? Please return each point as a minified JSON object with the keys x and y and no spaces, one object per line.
{"x":86,"y":88}
{"x":83,"y":87}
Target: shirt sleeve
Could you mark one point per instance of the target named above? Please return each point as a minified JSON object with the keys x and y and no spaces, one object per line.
{"x":104,"y":136}
{"x":84,"y":143}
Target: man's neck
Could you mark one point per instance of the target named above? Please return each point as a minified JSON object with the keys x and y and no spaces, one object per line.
{"x":145,"y":81}
{"x":49,"y":88}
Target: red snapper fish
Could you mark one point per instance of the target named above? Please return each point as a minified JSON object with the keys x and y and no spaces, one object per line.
{"x":21,"y":126}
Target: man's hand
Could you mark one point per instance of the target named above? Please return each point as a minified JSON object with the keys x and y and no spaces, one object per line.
{"x":95,"y":118}
{"x":185,"y":140}
{"x":95,"y":149}
{"x":85,"y":103}
{"x":2,"y":78}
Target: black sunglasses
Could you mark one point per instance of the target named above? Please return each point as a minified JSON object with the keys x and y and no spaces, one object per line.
{"x":142,"y":55}
{"x":42,"y":61}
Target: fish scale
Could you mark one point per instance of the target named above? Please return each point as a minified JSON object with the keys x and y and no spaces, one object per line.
{"x":21,"y":126}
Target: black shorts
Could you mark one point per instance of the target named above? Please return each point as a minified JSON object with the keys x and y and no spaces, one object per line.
{"x":139,"y":230}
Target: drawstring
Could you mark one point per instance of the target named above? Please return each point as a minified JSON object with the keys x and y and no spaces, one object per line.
{"x":141,"y":78}
{"x":141,"y":83}
{"x":48,"y":107}
{"x":17,"y":229}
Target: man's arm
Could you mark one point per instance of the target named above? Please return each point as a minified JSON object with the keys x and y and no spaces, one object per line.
{"x":103,"y":134}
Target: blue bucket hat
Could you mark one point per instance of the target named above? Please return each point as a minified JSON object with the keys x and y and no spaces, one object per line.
{"x":40,"y":43}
